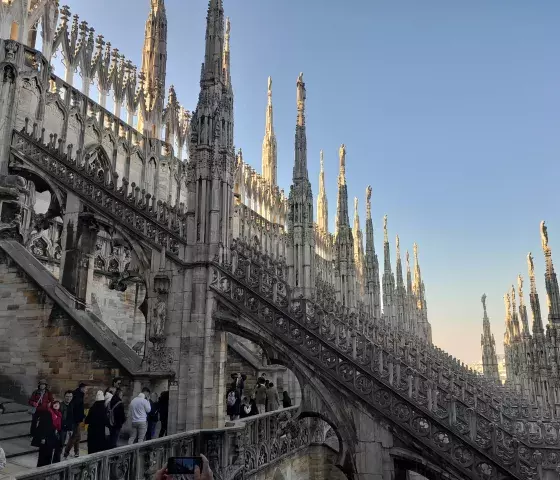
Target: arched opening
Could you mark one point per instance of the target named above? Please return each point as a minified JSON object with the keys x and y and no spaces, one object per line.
{"x":248,"y":358}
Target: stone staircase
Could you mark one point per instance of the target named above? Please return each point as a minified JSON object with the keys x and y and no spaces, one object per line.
{"x":406,"y":394}
{"x":15,"y":423}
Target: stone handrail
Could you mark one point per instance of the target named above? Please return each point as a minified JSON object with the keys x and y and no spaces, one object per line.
{"x":233,"y":452}
{"x":478,"y":447}
{"x":154,"y":221}
{"x":528,"y":424}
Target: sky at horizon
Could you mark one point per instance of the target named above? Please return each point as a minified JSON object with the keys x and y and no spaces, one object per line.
{"x":450,"y":110}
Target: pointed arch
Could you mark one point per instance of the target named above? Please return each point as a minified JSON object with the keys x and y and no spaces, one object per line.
{"x":97,"y":163}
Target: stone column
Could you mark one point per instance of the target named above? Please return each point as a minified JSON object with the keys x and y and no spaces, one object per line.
{"x":372,"y":449}
{"x":10,"y":53}
{"x":78,"y":246}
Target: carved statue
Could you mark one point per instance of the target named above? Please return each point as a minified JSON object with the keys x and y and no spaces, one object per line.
{"x":483,"y":299}
{"x":407,"y":260}
{"x":322,"y":161}
{"x":531,"y":265}
{"x":356,"y":206}
{"x":342,"y":155}
{"x":368,"y":194}
{"x":269,"y":86}
{"x":300,"y":91}
{"x":159,"y":318}
{"x":544,"y":235}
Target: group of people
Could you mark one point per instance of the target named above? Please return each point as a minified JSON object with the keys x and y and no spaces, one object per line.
{"x":56,"y":426}
{"x":264,"y":398}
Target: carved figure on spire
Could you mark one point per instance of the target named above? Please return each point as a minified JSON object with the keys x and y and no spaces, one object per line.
{"x":415,"y":248}
{"x":531,"y":267}
{"x":407,"y":261}
{"x":355,"y":206}
{"x":385,"y":232}
{"x":483,"y":299}
{"x":398,"y":247}
{"x":342,"y":155}
{"x":270,"y":87}
{"x":300,"y":92}
{"x":368,"y":202}
{"x":544,"y":236}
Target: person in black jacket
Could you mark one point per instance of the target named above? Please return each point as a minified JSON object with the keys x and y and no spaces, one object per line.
{"x":117,"y":418}
{"x":163,"y":412}
{"x":97,"y":421}
{"x":67,"y":411}
{"x":79,"y":415}
{"x":153,"y":416}
{"x":286,"y":400}
{"x":46,"y":435}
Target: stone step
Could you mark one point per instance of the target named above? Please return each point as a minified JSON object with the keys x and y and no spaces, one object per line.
{"x":18,"y":446}
{"x":12,"y":418}
{"x":13,"y":407}
{"x":15,"y":430}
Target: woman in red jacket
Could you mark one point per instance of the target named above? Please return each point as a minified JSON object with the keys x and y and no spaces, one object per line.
{"x":47,"y":435}
{"x":40,"y":401}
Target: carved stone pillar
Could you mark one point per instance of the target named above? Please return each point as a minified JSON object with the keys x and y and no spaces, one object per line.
{"x":13,"y":217}
{"x":78,"y":246}
{"x":10,"y":56}
{"x":158,"y":356}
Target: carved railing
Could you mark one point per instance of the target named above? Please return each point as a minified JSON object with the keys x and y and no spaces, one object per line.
{"x":233,"y":453}
{"x":477,"y":446}
{"x":154,"y":221}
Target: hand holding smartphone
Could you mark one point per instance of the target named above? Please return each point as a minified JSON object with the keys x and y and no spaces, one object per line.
{"x":183,"y":468}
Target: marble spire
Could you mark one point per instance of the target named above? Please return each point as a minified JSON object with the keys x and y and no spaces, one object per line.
{"x":538,"y":329}
{"x":322,"y":202}
{"x":342,"y":218}
{"x":343,"y":240}
{"x":300,"y":165}
{"x":514,"y":315}
{"x":212,"y":70}
{"x":269,"y":147}
{"x":522,"y":307}
{"x":551,"y":282}
{"x":301,"y":228}
{"x":359,"y":258}
{"x":154,"y":68}
{"x":388,"y":279}
{"x":488,"y":344}
{"x":226,"y":66}
{"x":372,"y":263}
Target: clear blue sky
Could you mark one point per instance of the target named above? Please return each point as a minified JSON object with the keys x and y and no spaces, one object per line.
{"x":450,"y":110}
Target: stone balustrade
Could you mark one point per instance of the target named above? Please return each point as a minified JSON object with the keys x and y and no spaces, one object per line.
{"x":478,"y":441}
{"x":233,"y":452}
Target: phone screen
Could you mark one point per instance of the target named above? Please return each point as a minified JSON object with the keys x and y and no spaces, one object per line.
{"x":182,"y":468}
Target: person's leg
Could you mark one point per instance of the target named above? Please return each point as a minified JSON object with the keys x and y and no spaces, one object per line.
{"x":142,"y":428}
{"x":71,"y":441}
{"x":77,"y":438}
{"x":34,"y":419}
{"x":133,"y":433}
{"x":163,"y":428}
{"x":56,"y":453}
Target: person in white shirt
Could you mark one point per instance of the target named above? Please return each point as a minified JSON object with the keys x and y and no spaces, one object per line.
{"x":138,"y":411}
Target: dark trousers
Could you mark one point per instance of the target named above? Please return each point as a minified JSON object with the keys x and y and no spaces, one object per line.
{"x":34,"y":420}
{"x":163,"y":428}
{"x":74,"y":441}
{"x":151,"y":432}
{"x":114,"y":433}
{"x":45,"y":455}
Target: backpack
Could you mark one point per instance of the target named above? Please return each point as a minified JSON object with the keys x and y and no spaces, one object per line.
{"x":231,"y":399}
{"x":111,"y":413}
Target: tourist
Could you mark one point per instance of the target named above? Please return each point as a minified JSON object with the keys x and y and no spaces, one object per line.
{"x":39,"y":401}
{"x":138,"y":412}
{"x":79,"y":415}
{"x":153,"y":417}
{"x":233,"y":403}
{"x":286,"y":400}
{"x":67,"y":411}
{"x":272,"y":400}
{"x":163,"y":412}
{"x":246,"y":408}
{"x":206,"y":473}
{"x":2,"y":459}
{"x":47,"y":435}
{"x":107,"y":398}
{"x":96,"y":421}
{"x":116,"y":417}
{"x":260,"y":397}
{"x":116,"y":384}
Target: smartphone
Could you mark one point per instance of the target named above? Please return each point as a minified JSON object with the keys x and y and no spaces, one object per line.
{"x":182,"y":468}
